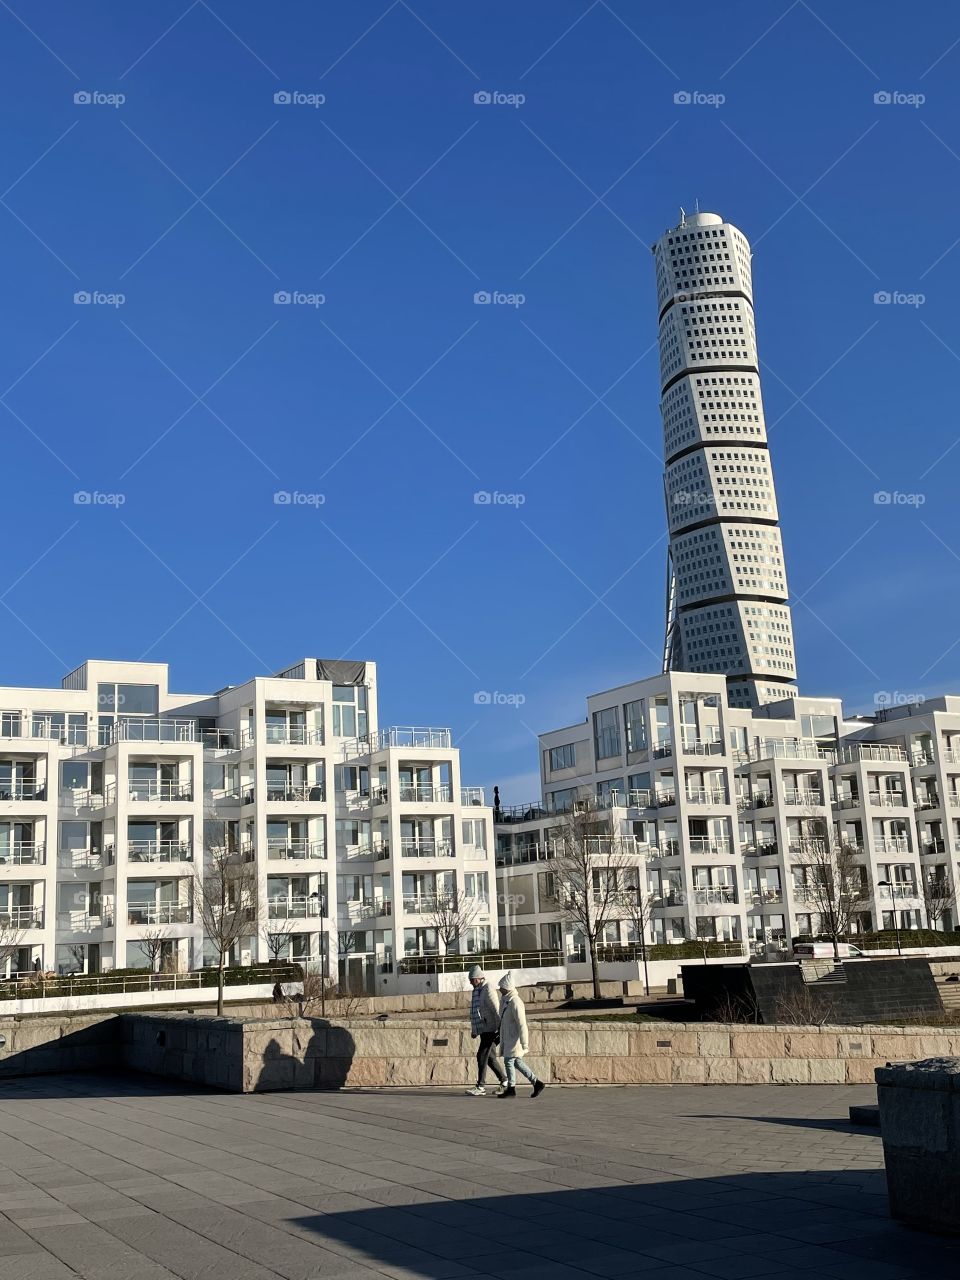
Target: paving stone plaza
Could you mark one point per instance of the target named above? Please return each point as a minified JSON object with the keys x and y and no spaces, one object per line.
{"x":127,"y":1178}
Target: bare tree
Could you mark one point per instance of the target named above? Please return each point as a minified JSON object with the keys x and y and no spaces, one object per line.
{"x":938,"y":896}
{"x":835,"y":885}
{"x":277,"y":935}
{"x":452,"y":914}
{"x":638,"y":904}
{"x":588,"y":866}
{"x":11,"y":939}
{"x":151,"y":944}
{"x":225,"y":896}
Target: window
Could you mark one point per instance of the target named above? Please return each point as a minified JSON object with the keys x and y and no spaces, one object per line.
{"x":634,"y":726}
{"x":611,"y":791}
{"x":475,"y":833}
{"x":128,"y":699}
{"x":564,"y":757}
{"x":349,"y":711}
{"x":606,"y":733}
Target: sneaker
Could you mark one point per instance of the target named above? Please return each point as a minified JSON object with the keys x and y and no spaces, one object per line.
{"x":478,"y":1091}
{"x":538,"y":1088}
{"x":509,"y":1092}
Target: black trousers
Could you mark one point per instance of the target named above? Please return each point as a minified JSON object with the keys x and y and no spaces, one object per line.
{"x":487,"y":1057}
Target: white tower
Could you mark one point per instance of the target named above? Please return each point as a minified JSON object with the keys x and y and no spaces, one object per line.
{"x":727,"y":606}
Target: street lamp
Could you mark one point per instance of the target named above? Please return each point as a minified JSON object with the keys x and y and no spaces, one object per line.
{"x":885,"y":884}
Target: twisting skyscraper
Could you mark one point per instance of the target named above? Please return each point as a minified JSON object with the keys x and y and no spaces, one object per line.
{"x":727,"y":606}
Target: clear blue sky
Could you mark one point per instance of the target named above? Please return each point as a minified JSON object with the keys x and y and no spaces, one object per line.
{"x":397,"y":199}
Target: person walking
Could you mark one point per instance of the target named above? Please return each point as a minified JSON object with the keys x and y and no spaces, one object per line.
{"x":514,"y":1040}
{"x":485,"y":1024}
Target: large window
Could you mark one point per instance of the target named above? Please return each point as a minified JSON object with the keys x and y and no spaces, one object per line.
{"x":349,"y":711}
{"x":564,"y":757}
{"x":128,"y":699}
{"x":606,"y":733}
{"x":634,"y":727}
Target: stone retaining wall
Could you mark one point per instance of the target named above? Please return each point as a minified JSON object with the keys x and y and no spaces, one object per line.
{"x":270,"y":1054}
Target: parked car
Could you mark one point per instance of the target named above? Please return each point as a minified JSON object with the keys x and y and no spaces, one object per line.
{"x":824,"y":951}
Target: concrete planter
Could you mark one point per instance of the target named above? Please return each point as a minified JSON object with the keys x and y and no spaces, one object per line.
{"x":920,"y":1127}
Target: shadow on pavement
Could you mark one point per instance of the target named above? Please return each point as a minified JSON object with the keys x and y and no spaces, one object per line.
{"x":796,"y":1122}
{"x":818,"y":1224}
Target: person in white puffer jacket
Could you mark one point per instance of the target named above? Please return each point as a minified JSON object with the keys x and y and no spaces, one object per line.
{"x":514,"y":1041}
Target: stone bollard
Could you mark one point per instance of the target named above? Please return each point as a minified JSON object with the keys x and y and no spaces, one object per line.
{"x":920,"y":1127}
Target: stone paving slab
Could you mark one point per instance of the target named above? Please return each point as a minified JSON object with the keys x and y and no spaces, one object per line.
{"x":127,"y":1178}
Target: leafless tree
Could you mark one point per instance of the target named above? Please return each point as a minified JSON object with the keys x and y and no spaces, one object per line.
{"x":452,"y":914}
{"x":276,"y":935}
{"x":151,"y":944}
{"x":589,"y":862}
{"x":11,"y":939}
{"x":836,"y":886}
{"x":938,"y":896}
{"x":225,"y":897}
{"x":638,"y":903}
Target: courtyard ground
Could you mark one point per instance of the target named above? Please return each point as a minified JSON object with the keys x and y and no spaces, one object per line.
{"x":127,"y":1178}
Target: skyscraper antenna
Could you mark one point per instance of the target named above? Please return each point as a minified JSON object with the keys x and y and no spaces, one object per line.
{"x":683,"y":215}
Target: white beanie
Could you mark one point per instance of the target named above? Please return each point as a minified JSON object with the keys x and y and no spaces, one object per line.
{"x":507,"y":983}
{"x":475,"y":972}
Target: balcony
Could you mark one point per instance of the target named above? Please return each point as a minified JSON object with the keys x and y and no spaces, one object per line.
{"x":810,"y":798}
{"x":872,"y":751}
{"x":424,"y":793}
{"x":359,"y":909}
{"x":525,"y":855}
{"x":296,"y":908}
{"x":15,"y":725}
{"x":425,"y":847}
{"x":929,"y":801}
{"x":888,"y":799}
{"x":847,"y":802}
{"x":765,"y":897}
{"x":22,"y":917}
{"x":418,"y":903}
{"x":219,"y":739}
{"x":283,"y":735}
{"x":78,"y":799}
{"x":159,"y":851}
{"x":763,"y":849}
{"x":921,"y":758}
{"x":790,"y":749}
{"x":410,"y":738}
{"x":662,"y":750}
{"x":149,"y":729}
{"x":714,"y":895}
{"x":86,"y":859}
{"x":147,"y":913}
{"x":891,"y":844}
{"x":709,"y":844}
{"x":907,"y":890}
{"x":84,"y":921}
{"x":701,"y":747}
{"x":663,"y":799}
{"x":706,"y":795}
{"x":471,"y":796}
{"x":280,"y":849}
{"x":289,"y":793}
{"x":23,"y":853}
{"x":28,"y":790}
{"x":160,"y":792}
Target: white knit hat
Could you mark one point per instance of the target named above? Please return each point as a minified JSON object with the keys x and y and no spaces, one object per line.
{"x":507,"y":983}
{"x":475,"y":972}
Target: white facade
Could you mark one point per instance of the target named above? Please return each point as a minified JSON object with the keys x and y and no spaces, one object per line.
{"x":111,"y":787}
{"x":720,"y":801}
{"x":727,"y":603}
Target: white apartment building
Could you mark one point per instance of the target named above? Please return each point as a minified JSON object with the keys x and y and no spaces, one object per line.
{"x":727,"y":609}
{"x":112,"y":787}
{"x":719,"y":804}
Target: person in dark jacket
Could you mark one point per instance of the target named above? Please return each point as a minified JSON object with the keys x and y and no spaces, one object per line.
{"x":485,"y":1025}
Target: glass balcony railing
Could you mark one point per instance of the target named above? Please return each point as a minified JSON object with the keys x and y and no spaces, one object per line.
{"x":160,"y":792}
{"x":424,"y":793}
{"x":23,"y":853}
{"x":295,"y":908}
{"x":425,"y":847}
{"x":150,"y":729}
{"x":21,"y":917}
{"x":145,"y":913}
{"x":159,"y":851}
{"x":26,"y":789}
{"x":280,"y":848}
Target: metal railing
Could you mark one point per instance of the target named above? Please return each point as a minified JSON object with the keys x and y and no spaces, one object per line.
{"x":706,"y":795}
{"x":420,"y":902}
{"x":163,"y":792}
{"x":709,"y":844}
{"x":289,"y":793}
{"x":854,"y":752}
{"x":490,"y":961}
{"x":30,"y":985}
{"x":22,"y":917}
{"x":762,"y":849}
{"x":526,"y":854}
{"x":75,"y":799}
{"x":25,"y":790}
{"x":219,"y":739}
{"x":141,"y":913}
{"x":888,"y":799}
{"x":84,"y":921}
{"x":280,"y":848}
{"x":906,"y":889}
{"x":803,"y":797}
{"x":15,"y":725}
{"x":364,"y":908}
{"x":300,"y":907}
{"x":929,"y":801}
{"x":662,"y":750}
{"x":701,"y":746}
{"x":765,"y":896}
{"x":534,"y":812}
{"x":149,"y":729}
{"x":425,"y":792}
{"x":472,"y":796}
{"x":406,"y":737}
{"x":23,"y":853}
{"x":713,"y":895}
{"x":759,"y":800}
{"x":789,"y":749}
{"x":86,"y":859}
{"x":159,"y":851}
{"x":288,"y":735}
{"x":425,"y":847}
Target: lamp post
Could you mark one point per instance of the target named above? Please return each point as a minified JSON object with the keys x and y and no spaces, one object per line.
{"x":885,"y":884}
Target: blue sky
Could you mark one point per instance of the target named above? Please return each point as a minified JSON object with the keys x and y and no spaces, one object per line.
{"x":198,"y":398}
